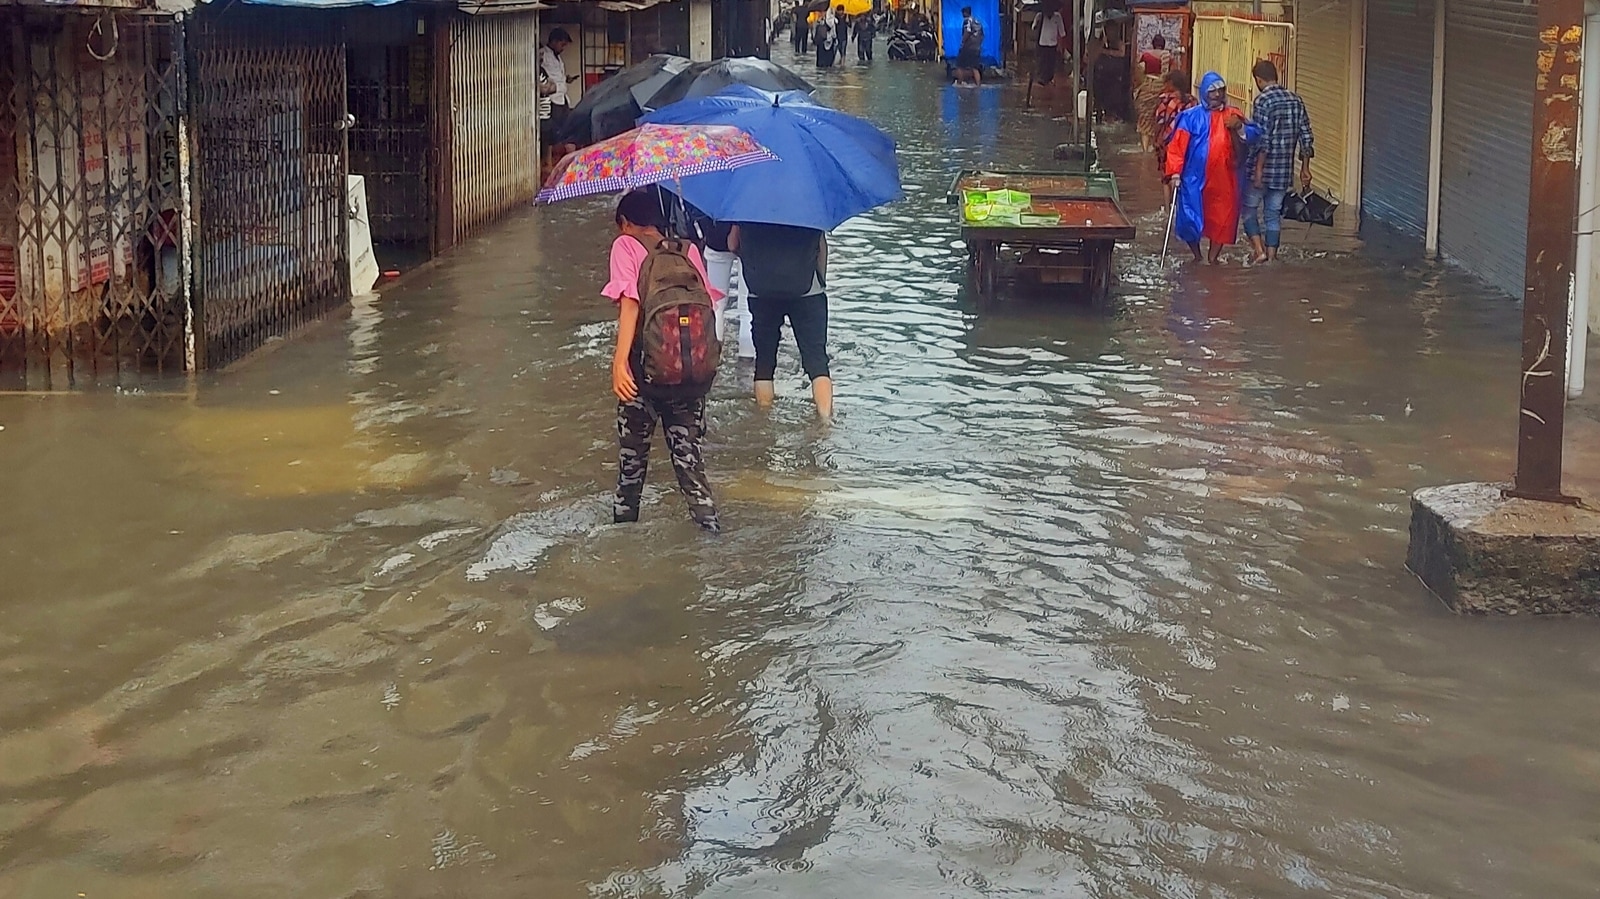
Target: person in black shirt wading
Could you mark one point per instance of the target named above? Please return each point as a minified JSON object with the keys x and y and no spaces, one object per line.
{"x":786,"y":271}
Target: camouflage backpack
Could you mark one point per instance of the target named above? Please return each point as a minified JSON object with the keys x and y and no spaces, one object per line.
{"x":678,"y":345}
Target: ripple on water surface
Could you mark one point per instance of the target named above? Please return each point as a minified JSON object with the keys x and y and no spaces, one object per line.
{"x":1061,"y":605}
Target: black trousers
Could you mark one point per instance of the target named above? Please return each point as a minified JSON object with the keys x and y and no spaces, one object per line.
{"x":550,"y":129}
{"x":808,"y":318}
{"x":1048,"y":57}
{"x":684,"y":424}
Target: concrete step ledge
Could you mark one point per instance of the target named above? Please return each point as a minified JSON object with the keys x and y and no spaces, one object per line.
{"x":1483,"y":553}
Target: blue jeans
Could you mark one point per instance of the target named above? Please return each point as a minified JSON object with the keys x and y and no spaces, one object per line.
{"x":1263,"y":213}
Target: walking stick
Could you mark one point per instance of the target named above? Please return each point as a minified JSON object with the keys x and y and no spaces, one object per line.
{"x":1166,"y":242}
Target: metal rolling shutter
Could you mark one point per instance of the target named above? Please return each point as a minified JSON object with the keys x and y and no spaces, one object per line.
{"x":1399,"y":100}
{"x":491,"y":79}
{"x":1488,"y":131}
{"x":1322,"y":78}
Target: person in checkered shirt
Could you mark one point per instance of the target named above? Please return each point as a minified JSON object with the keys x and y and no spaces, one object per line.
{"x":1281,"y":114}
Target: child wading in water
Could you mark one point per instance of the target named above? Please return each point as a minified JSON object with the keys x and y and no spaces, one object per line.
{"x":666,"y":356}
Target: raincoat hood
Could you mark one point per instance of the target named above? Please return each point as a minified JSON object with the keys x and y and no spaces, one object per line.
{"x":1209,"y":83}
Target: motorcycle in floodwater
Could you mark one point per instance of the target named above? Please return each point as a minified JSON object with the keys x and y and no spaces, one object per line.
{"x":919,"y":45}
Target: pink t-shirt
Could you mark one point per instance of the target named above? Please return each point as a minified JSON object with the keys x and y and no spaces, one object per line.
{"x":627,"y":254}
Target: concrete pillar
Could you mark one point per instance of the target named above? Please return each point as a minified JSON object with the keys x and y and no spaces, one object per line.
{"x":1530,"y":548}
{"x":1552,"y":248}
{"x":700,"y":30}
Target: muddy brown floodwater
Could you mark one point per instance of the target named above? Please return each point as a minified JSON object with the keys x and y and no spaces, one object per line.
{"x":1062,"y":605}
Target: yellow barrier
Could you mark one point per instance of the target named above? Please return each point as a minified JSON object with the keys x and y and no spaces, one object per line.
{"x":1230,"y":46}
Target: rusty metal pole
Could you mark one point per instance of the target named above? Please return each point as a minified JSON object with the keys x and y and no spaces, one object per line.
{"x":1552,"y":251}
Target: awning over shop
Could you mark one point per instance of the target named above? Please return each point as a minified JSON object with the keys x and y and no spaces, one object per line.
{"x":629,"y":5}
{"x":322,"y":4}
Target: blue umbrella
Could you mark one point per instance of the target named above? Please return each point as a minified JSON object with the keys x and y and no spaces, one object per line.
{"x":831,"y":165}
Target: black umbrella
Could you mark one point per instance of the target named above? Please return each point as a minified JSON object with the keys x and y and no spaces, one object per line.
{"x":611,"y":107}
{"x":703,"y":79}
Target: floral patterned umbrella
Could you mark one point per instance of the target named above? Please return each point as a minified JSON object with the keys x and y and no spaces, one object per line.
{"x":651,"y":154}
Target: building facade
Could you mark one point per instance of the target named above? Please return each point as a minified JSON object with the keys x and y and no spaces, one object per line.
{"x":175,"y":183}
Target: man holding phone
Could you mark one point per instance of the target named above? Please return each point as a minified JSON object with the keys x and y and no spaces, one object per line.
{"x":553,"y":82}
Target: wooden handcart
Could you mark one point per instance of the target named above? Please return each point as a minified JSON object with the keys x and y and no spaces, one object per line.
{"x":1066,"y":236}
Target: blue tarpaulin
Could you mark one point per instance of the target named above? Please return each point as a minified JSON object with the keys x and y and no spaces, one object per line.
{"x":987,"y":12}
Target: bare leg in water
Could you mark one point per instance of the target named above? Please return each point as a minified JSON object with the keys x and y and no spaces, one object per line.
{"x":821,"y":394}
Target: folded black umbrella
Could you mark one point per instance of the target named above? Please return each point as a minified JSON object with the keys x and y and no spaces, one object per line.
{"x":703,"y":79}
{"x":612,"y":106}
{"x":1310,"y":207}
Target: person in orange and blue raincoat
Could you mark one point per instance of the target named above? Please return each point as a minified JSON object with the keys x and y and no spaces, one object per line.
{"x":1205,"y":169}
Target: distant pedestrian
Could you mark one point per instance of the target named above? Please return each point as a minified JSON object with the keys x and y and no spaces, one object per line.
{"x":1109,"y":64}
{"x":1158,"y":59}
{"x":786,"y":269}
{"x":823,"y":37}
{"x":1147,"y":93}
{"x":1177,"y":94}
{"x":1048,"y":30}
{"x":841,"y":25}
{"x":1285,"y":125}
{"x":866,"y":33}
{"x":665,"y":356}
{"x":802,"y":32}
{"x":1204,"y":165}
{"x":969,"y":60}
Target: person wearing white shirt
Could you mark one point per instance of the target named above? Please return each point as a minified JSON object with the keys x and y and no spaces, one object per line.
{"x":553,"y":100}
{"x":1048,"y":28}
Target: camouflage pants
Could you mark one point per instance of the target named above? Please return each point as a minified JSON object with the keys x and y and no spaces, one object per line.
{"x":684,"y":424}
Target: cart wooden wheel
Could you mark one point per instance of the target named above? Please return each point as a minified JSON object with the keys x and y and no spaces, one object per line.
{"x":1100,"y":271}
{"x":989,"y":270}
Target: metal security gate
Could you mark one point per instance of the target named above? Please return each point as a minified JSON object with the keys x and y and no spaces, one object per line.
{"x":1489,"y":53}
{"x":270,"y":124}
{"x":491,"y":86}
{"x":91,"y":273}
{"x":1230,"y":46}
{"x":391,"y":98}
{"x":1399,"y":104}
{"x":1325,"y":74}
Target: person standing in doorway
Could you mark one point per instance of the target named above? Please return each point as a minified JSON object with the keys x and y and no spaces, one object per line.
{"x":640,"y":253}
{"x":554,"y":73}
{"x":786,"y":270}
{"x":1048,"y":30}
{"x":1286,"y":127}
{"x":1204,"y":166}
{"x":969,"y":60}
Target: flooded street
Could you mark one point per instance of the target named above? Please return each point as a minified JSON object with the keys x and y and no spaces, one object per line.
{"x":1061,"y":605}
